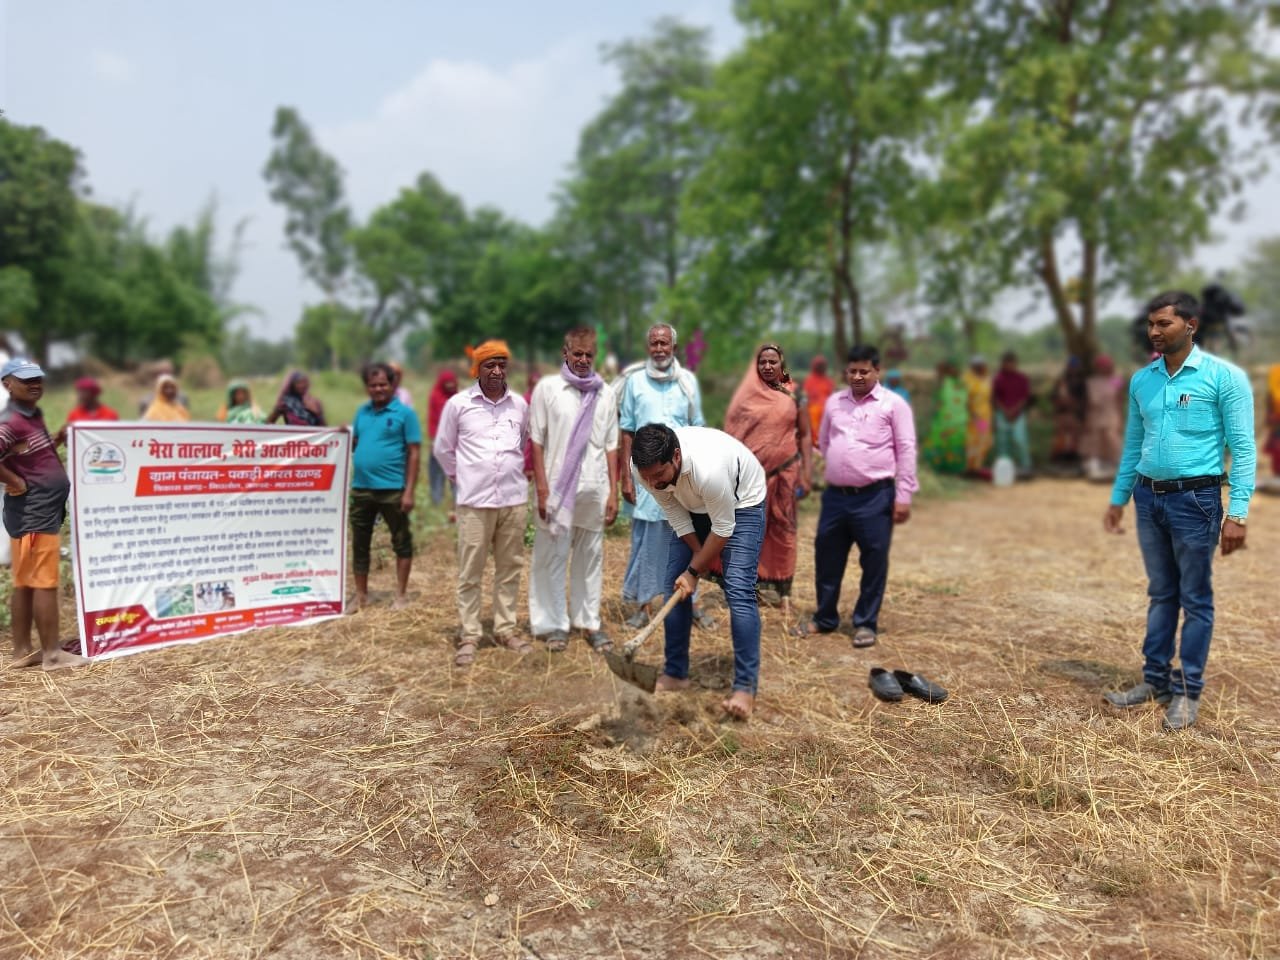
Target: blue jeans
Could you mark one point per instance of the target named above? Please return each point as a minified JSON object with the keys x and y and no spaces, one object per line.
{"x":848,"y":518}
{"x":740,"y":559}
{"x":1011,"y":440}
{"x":438,"y":479}
{"x":1178,"y":533}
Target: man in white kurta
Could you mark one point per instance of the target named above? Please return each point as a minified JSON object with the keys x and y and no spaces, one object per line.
{"x":572,"y":513}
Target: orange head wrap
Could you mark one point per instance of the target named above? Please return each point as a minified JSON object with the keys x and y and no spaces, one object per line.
{"x":486,"y":351}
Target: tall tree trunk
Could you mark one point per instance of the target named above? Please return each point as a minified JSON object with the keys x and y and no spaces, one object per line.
{"x":839,"y":340}
{"x":1089,"y":304}
{"x":1052,"y":280}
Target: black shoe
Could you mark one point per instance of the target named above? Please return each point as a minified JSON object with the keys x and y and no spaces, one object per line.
{"x":884,"y":685}
{"x":919,"y":686}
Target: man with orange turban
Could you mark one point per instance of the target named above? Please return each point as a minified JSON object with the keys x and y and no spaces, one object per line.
{"x":480,"y":446}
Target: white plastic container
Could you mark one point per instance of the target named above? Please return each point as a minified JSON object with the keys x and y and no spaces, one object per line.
{"x":1004,"y":473}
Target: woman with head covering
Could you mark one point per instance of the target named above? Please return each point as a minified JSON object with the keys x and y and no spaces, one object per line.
{"x":164,"y":405}
{"x":944,"y":447}
{"x":1103,"y":437}
{"x":296,"y":404}
{"x":446,"y":386}
{"x":769,"y":415}
{"x":239,"y":406}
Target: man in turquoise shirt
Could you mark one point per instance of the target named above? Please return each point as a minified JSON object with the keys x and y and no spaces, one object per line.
{"x":387,"y":446}
{"x":1183,"y":409}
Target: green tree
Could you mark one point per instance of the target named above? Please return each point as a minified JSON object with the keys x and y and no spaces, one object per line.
{"x":1098,"y":131}
{"x":307,"y":182}
{"x":334,"y":336}
{"x":813,"y":121}
{"x":619,"y":212}
{"x":41,"y":181}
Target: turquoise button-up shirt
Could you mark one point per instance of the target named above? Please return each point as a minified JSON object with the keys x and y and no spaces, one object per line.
{"x":1178,"y":426}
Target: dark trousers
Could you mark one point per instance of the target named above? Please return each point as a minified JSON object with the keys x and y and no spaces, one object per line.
{"x":865,"y":519}
{"x":365,"y":507}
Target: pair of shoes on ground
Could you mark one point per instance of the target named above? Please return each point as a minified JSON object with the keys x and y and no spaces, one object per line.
{"x":862,"y":637}
{"x":890,"y":686}
{"x":557,"y":641}
{"x":1180,"y":710}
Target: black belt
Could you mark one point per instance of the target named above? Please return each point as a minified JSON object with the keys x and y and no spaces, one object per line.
{"x":1173,"y":486}
{"x":869,"y":488}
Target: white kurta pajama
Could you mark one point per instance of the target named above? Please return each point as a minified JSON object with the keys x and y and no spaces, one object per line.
{"x":579,"y":552}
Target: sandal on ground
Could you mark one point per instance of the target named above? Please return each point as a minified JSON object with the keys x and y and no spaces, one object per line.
{"x":515,"y":643}
{"x":465,"y":654}
{"x":557,"y":641}
{"x":807,"y":628}
{"x":599,"y":640}
{"x":864,"y":637}
{"x":637,"y":620}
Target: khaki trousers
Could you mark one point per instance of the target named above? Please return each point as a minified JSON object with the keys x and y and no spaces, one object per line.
{"x":482,"y":530}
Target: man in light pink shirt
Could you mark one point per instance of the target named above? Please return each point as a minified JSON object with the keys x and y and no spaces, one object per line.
{"x":480,"y":446}
{"x":868,"y":439}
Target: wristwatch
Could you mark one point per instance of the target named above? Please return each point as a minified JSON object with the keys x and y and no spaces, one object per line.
{"x":692,"y":572}
{"x":1237,"y":520}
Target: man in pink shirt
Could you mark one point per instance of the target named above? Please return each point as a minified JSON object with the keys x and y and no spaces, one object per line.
{"x":480,"y":446}
{"x":868,"y":438}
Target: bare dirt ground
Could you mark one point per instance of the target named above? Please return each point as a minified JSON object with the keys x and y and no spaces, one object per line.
{"x":342,"y":791}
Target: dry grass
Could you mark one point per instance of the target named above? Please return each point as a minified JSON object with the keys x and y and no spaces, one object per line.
{"x":342,"y":791}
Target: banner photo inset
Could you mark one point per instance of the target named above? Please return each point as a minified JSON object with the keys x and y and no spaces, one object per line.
{"x":182,"y":532}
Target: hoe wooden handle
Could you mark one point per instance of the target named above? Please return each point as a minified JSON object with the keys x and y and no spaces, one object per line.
{"x":629,"y":649}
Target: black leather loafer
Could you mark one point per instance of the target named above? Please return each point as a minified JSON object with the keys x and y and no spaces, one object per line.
{"x":919,"y":686}
{"x":884,"y":685}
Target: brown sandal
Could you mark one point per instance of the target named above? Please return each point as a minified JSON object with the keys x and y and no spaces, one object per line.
{"x":465,"y":654}
{"x":515,"y":643}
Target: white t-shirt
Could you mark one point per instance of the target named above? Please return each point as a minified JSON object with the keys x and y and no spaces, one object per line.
{"x":553,"y":410}
{"x":718,"y":475}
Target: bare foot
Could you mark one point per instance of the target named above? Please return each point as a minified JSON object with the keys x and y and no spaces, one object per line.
{"x":739,"y":705}
{"x":30,"y":659}
{"x":400,"y":603}
{"x":60,"y":660}
{"x":667,"y":684}
{"x":362,"y":601}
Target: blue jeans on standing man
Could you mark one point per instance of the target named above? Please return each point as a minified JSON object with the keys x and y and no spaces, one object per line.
{"x":1178,"y":534}
{"x":864,"y":518}
{"x":740,"y":561}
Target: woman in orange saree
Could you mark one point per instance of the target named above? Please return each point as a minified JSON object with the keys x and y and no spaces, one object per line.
{"x":768,"y":414}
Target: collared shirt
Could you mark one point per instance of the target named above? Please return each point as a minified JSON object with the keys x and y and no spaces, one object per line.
{"x":480,"y":446}
{"x":28,"y":450}
{"x":1178,"y":426}
{"x":382,"y":437}
{"x":645,"y":400}
{"x":868,"y":439}
{"x":718,"y":475}
{"x":553,"y":411}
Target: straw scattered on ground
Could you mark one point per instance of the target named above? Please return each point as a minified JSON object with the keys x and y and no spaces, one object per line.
{"x":342,"y":791}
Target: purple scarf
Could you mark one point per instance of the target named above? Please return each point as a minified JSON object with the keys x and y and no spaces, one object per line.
{"x":560,"y":507}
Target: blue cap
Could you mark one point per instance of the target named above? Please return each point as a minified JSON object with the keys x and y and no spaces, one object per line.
{"x":22,"y":368}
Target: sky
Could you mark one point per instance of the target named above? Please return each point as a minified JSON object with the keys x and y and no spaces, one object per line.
{"x":171,"y":103}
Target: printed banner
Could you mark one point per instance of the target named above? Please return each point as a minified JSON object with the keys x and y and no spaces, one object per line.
{"x":182,"y":532}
